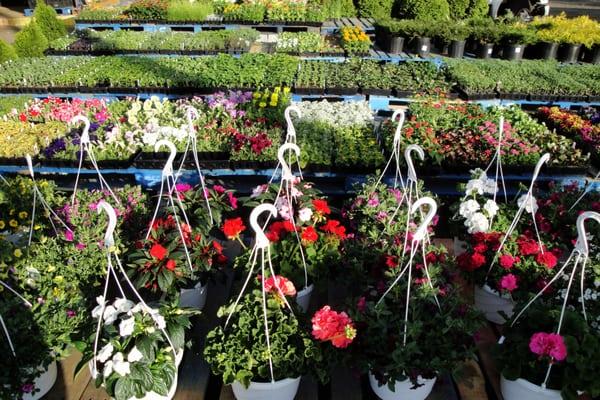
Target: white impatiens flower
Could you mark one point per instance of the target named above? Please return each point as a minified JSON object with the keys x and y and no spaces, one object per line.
{"x":475,"y":186}
{"x":468,"y":208}
{"x":134,"y":355}
{"x":123,"y":305}
{"x":257,"y":191}
{"x":530,"y":203}
{"x":120,"y":366}
{"x":97,"y":311}
{"x":110,"y":315}
{"x":490,"y":207}
{"x":477,"y":223}
{"x":158,"y":319}
{"x":150,"y":138}
{"x":305,"y":214}
{"x":126,"y":327}
{"x":108,"y":369}
{"x":105,"y":353}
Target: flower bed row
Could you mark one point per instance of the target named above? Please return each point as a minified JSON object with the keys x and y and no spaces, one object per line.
{"x":202,"y":75}
{"x":90,"y":42}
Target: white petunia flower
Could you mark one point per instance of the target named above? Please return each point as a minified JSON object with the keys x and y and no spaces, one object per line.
{"x":120,"y":366}
{"x":490,"y":207}
{"x":110,"y":315}
{"x":477,"y":223}
{"x":531,"y":205}
{"x":134,"y":355}
{"x":305,"y":214}
{"x":126,"y":327}
{"x":105,"y":353}
{"x":123,"y":305}
{"x":468,"y":208}
{"x":490,"y":186}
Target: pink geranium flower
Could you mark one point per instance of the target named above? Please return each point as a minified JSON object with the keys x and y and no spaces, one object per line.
{"x":334,"y":327}
{"x":183,"y":187}
{"x":286,"y":287}
{"x":548,"y":344}
{"x":508,"y":282}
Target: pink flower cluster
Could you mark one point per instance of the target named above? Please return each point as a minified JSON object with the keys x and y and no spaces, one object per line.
{"x":548,"y":344}
{"x":279,"y":285}
{"x":56,"y":109}
{"x":334,"y":327}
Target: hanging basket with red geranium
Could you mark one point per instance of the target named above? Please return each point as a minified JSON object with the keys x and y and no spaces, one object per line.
{"x":161,"y":264}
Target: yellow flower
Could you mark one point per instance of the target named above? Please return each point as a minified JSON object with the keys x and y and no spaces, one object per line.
{"x":56,"y":292}
{"x":59,"y":279}
{"x":2,"y":224}
{"x":262,"y":104}
{"x":273,"y":104}
{"x":37,"y":227}
{"x":51,"y":268}
{"x":23,"y":214}
{"x":18,"y":253}
{"x":277,"y":89}
{"x":286,"y":90}
{"x":12,"y":212}
{"x":256,"y":95}
{"x":13,"y":223}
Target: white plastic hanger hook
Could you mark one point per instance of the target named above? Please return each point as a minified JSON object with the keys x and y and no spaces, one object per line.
{"x":85,"y":135}
{"x":262,"y":241}
{"x":543,"y":159}
{"x":291,"y":131}
{"x":109,"y":239}
{"x":582,"y":244}
{"x":168,"y":168}
{"x":412,"y":175}
{"x":422,"y":229}
{"x":29,"y":164}
{"x":285,"y":168}
{"x":398,"y":131}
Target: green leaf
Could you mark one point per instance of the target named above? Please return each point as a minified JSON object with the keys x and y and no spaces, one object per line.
{"x":124,"y":389}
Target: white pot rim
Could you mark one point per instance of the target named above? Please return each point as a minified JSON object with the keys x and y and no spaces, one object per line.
{"x":269,"y":385}
{"x":531,"y":386}
{"x":486,"y":288}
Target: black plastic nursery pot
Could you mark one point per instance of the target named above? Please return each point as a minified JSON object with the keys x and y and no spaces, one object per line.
{"x":592,"y":55}
{"x":569,"y":53}
{"x":396,"y":44}
{"x":456,"y":48}
{"x":547,"y":50}
{"x":513,"y":52}
{"x":423,"y":46}
{"x":485,"y":50}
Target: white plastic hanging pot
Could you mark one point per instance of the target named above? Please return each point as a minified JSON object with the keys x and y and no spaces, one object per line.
{"x":194,"y":297}
{"x":303,"y":297}
{"x":522,"y":389}
{"x":403,"y":390}
{"x":43,"y":383}
{"x":153,"y":395}
{"x":490,"y":302}
{"x":284,"y":389}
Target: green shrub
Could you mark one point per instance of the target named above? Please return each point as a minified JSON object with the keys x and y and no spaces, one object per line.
{"x":30,"y":41}
{"x":478,"y":9}
{"x":7,"y":52}
{"x":148,"y":9}
{"x":378,"y":9}
{"x":46,"y":18}
{"x":425,"y":9}
{"x":458,"y":8}
{"x":186,"y":11}
{"x":337,"y":8}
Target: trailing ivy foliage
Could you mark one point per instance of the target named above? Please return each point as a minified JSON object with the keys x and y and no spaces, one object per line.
{"x":239,"y":352}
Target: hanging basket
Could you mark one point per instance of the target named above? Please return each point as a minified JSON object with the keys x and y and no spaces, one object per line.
{"x":490,"y":302}
{"x":303,"y":297}
{"x":403,"y":390}
{"x":284,"y":389}
{"x":194,"y":297}
{"x":522,"y":389}
{"x":43,"y":383}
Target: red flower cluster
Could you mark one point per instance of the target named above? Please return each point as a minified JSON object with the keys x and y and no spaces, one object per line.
{"x":321,"y":207}
{"x":334,"y":327}
{"x":309,"y":235}
{"x":279,"y":285}
{"x":233,"y":227}
{"x":335,"y":228}
{"x":159,"y":252}
{"x":548,"y":344}
{"x":278,"y":229}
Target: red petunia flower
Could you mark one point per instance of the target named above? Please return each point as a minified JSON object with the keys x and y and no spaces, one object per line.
{"x":233,"y":227}
{"x":391,"y":261}
{"x":159,"y":252}
{"x":470,"y":262}
{"x":527,"y":246}
{"x":309,"y":235}
{"x":507,"y":261}
{"x":321,"y":207}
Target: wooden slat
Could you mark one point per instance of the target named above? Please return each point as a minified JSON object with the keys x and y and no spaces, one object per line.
{"x":485,"y":341}
{"x":443,"y":389}
{"x":226,"y":393}
{"x":68,"y":386}
{"x":471,"y":385}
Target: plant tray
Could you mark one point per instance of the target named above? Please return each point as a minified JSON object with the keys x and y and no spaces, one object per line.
{"x":377,"y":92}
{"x":87,"y":164}
{"x":17,"y":161}
{"x":342,"y":91}
{"x":151,"y":160}
{"x":309,"y":91}
{"x":238,"y":164}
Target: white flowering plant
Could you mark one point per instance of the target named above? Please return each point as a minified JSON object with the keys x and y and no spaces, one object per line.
{"x":477,"y":209}
{"x":140,"y":347}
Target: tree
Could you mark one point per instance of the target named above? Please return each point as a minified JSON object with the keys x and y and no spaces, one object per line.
{"x":30,"y":41}
{"x":47,"y":19}
{"x":7,"y":52}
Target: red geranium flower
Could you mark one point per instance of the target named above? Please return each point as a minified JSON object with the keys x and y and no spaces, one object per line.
{"x":321,"y":207}
{"x":329,"y":325}
{"x":507,"y":261}
{"x":333,"y":226}
{"x":547,"y":258}
{"x":309,"y":234}
{"x":470,"y":262}
{"x":171,"y":264}
{"x":233,"y":227}
{"x":527,"y":246}
{"x":391,"y":261}
{"x":158,"y":252}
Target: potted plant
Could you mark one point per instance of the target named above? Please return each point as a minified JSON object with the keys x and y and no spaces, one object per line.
{"x":239,"y":350}
{"x":514,"y":37}
{"x":139,"y":350}
{"x":484,"y":34}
